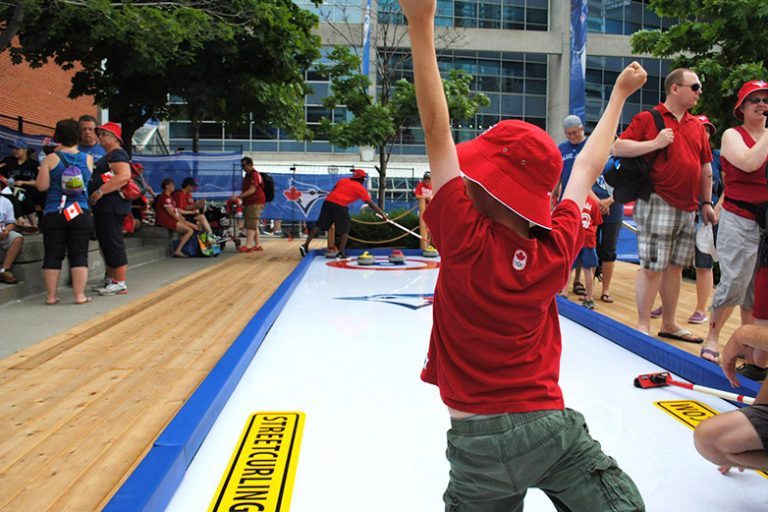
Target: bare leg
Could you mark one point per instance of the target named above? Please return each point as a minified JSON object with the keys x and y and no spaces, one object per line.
{"x":608,"y":267}
{"x":79,"y":278}
{"x":12,"y":253}
{"x":250,"y":237}
{"x":343,"y":241}
{"x":646,"y":288}
{"x":589,"y":282}
{"x":717,"y":320}
{"x":186,"y":233}
{"x":670,"y":294}
{"x":312,"y":234}
{"x":51,"y":278}
{"x":704,"y":283}
{"x":729,"y":440}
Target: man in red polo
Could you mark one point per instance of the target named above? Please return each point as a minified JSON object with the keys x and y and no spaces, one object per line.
{"x":666,"y":222}
{"x":335,"y":209}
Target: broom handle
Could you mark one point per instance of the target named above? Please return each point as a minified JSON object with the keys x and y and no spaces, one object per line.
{"x":402,"y":227}
{"x":712,"y":391}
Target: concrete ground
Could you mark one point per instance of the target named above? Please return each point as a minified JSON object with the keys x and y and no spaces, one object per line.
{"x":29,"y":320}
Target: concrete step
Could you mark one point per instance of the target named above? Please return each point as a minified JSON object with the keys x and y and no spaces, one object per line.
{"x":31,"y":279}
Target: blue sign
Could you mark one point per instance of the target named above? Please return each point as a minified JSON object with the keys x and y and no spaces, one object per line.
{"x":578,"y":93}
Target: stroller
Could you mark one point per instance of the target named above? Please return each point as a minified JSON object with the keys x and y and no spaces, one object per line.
{"x":223,"y":224}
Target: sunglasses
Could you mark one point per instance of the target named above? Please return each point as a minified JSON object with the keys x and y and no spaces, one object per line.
{"x":694,"y":87}
{"x":755,"y":101}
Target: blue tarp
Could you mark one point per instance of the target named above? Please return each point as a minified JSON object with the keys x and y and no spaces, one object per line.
{"x":8,"y":137}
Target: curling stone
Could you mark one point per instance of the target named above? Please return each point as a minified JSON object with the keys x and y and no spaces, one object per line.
{"x":397,"y":257}
{"x":331,"y":252}
{"x":366,"y":259}
{"x":429,"y":252}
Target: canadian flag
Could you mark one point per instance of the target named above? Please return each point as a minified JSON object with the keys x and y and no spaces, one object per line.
{"x":72,"y":211}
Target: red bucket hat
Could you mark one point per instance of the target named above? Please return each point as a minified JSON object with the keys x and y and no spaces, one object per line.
{"x":747,"y":89}
{"x":706,"y":122}
{"x":359,"y":173}
{"x":518,"y":164}
{"x":112,"y":128}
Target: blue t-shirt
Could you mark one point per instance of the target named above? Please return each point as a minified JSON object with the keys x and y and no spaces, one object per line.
{"x":603,"y":191}
{"x":53,"y":202}
{"x":96,"y":151}
{"x":569,"y":152}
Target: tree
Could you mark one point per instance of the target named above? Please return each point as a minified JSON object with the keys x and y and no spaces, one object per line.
{"x":381,"y":116}
{"x":722,"y":40}
{"x":132,"y":55}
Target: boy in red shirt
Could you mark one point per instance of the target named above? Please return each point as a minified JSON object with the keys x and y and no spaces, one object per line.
{"x":494,"y":351}
{"x":335,"y":210}
{"x":587,"y":258}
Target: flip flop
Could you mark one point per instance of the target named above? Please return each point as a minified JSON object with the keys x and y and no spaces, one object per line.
{"x":180,"y":256}
{"x":579,"y":289}
{"x":710,"y":355}
{"x":52,"y":303}
{"x":681,"y":335}
{"x":606,"y":297}
{"x":86,"y":301}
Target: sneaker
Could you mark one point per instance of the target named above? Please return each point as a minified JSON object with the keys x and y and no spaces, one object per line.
{"x":113,"y":288}
{"x":697,"y":318}
{"x":303,"y":250}
{"x":656,"y":313}
{"x":101,"y":284}
{"x":342,"y":256}
{"x":8,"y":278}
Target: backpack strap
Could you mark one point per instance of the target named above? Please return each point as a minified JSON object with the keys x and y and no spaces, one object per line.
{"x":658,"y":119}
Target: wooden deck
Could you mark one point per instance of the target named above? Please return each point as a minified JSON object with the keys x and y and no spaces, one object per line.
{"x":81,"y":409}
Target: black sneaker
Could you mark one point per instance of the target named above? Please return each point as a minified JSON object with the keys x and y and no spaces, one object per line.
{"x":303,"y":250}
{"x":752,"y":371}
{"x":342,"y":256}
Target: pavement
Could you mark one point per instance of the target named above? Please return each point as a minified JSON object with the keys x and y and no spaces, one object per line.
{"x":29,"y":320}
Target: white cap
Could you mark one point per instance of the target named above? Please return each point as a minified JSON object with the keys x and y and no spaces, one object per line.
{"x":572,"y":121}
{"x":705,"y":240}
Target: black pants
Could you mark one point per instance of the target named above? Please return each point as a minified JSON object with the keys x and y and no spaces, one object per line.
{"x":109,"y":232}
{"x":62,"y":238}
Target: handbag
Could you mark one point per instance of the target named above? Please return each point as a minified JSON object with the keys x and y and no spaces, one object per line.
{"x":631,"y":177}
{"x":130,"y":191}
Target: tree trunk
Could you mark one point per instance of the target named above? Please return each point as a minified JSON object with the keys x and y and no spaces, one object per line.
{"x":196,"y":135}
{"x":383,"y":160}
{"x":10,"y":30}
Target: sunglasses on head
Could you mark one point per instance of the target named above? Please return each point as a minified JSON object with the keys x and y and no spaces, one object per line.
{"x":694,"y":87}
{"x":755,"y":101}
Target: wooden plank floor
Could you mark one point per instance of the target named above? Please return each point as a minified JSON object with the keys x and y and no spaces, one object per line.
{"x":624,"y":309}
{"x":80,"y":410}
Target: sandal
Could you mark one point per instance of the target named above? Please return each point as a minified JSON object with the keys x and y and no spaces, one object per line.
{"x":710,"y":355}
{"x":579,"y":289}
{"x":606,"y":297}
{"x":86,"y":301}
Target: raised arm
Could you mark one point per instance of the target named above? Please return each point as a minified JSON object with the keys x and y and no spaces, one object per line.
{"x":590,"y":162}
{"x":430,"y":96}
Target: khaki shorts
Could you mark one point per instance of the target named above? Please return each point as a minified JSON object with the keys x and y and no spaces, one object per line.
{"x":12,"y":236}
{"x":252,"y":215}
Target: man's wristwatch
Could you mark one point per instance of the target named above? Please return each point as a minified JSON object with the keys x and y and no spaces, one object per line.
{"x":707,"y":202}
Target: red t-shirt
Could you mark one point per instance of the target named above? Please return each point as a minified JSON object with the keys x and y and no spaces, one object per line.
{"x":182,"y":200}
{"x":422,"y":189}
{"x":676,"y":177}
{"x":495,"y":343}
{"x":590,"y":219}
{"x":251,"y":179}
{"x":162,"y":217}
{"x":347,"y":191}
{"x":749,"y":187}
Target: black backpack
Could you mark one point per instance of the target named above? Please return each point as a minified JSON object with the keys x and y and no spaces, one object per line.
{"x":268,"y":183}
{"x":631,"y":177}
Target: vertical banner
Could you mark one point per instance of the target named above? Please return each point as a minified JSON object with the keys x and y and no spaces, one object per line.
{"x":577,"y":104}
{"x":367,"y":38}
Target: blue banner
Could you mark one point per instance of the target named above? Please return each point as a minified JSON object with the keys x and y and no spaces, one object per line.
{"x":218,"y":175}
{"x":577,"y":104}
{"x":367,"y":38}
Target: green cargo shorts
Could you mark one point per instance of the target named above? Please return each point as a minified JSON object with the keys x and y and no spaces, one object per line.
{"x":495,"y":459}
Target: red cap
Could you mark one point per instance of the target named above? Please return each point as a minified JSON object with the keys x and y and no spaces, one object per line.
{"x":747,"y":89}
{"x":518,"y":164}
{"x":359,"y":173}
{"x":707,"y":123}
{"x":112,"y":128}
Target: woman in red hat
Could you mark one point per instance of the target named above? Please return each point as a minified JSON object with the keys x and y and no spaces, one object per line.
{"x":744,"y":154}
{"x":111,"y":173}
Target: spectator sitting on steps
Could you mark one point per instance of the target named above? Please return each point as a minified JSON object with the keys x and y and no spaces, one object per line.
{"x":191,"y":210}
{"x":167,"y":216}
{"x":10,"y":240}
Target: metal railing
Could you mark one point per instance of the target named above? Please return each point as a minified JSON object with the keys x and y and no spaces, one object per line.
{"x":20,"y":122}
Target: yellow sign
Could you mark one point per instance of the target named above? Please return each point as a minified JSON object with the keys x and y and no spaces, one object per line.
{"x":690,"y":413}
{"x":262,"y":469}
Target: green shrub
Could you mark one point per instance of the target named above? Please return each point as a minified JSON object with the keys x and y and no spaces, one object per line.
{"x":386,"y":231}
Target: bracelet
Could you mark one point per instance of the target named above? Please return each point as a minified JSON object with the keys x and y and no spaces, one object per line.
{"x":707,"y":202}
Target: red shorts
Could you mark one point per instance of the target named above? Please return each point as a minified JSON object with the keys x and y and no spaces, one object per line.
{"x":761,"y":294}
